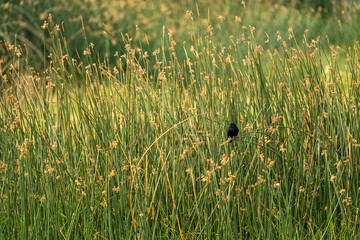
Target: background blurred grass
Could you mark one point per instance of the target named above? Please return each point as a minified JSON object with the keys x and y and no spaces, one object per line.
{"x":105,"y":21}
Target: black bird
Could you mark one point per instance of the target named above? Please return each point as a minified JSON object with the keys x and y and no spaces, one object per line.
{"x":233,"y":131}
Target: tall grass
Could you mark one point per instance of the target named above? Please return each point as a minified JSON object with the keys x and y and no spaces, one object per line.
{"x":138,"y":149}
{"x":143,"y":21}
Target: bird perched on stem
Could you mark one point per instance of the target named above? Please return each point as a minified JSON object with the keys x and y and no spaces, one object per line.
{"x":233,"y":131}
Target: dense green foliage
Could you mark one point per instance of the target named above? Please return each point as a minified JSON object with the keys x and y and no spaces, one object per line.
{"x":104,"y":22}
{"x":121,"y":136}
